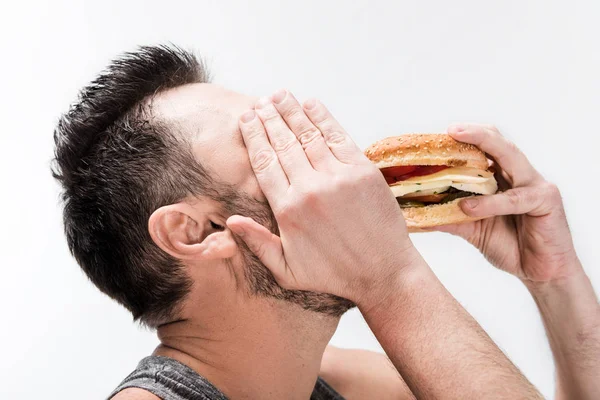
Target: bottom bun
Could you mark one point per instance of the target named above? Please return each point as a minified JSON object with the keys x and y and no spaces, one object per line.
{"x":418,"y":218}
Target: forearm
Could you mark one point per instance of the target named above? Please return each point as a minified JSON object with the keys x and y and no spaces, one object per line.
{"x":438,"y":348}
{"x":571,"y":315}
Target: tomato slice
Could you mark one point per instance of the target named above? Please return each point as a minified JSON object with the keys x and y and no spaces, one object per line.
{"x":424,"y":170}
{"x":391,"y":173}
{"x":396,"y":174}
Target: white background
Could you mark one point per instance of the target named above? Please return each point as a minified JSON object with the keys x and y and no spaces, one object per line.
{"x":384,"y":68}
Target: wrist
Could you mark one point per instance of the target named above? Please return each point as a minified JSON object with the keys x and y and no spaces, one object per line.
{"x":571,"y":298}
{"x":571,"y":314}
{"x":408,"y":272}
{"x":565,"y":283}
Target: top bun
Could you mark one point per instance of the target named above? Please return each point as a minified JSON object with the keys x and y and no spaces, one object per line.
{"x":425,"y":149}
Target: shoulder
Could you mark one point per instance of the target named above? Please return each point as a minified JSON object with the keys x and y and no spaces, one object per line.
{"x":134,"y":394}
{"x":361,"y":374}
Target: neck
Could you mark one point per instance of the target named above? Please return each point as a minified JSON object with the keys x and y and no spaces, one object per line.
{"x":252,"y":348}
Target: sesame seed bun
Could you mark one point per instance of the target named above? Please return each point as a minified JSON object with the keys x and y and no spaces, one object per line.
{"x":425,"y":149}
{"x":433,"y":215}
{"x":416,"y":149}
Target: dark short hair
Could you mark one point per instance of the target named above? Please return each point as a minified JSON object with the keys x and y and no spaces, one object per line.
{"x":117,"y":163}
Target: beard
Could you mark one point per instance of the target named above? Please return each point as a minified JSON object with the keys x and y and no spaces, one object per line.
{"x":257,"y":276}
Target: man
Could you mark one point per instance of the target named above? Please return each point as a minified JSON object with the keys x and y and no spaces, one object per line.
{"x":171,"y":215}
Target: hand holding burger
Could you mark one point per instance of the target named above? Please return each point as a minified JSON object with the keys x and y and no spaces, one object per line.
{"x":525,"y":232}
{"x":522,"y":230}
{"x":446,"y":182}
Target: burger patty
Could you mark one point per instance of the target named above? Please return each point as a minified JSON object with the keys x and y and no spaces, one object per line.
{"x":450,"y":195}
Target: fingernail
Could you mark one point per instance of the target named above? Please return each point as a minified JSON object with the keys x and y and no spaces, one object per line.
{"x":279,"y":96}
{"x":264,"y":101}
{"x":470,"y":203}
{"x":248,"y":116}
{"x":310,"y":104}
{"x":456,"y":128}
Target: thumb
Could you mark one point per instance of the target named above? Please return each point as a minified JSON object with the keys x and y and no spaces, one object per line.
{"x":262,"y":242}
{"x":521,"y":200}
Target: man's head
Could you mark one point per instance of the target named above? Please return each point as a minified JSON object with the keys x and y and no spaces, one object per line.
{"x":152,"y":164}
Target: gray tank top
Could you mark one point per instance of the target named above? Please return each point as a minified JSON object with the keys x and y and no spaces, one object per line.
{"x":171,"y":380}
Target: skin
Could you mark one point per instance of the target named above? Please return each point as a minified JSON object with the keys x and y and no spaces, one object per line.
{"x":224,"y":354}
{"x":223,"y":333}
{"x":313,"y":174}
{"x":362,"y":374}
{"x":528,"y":236}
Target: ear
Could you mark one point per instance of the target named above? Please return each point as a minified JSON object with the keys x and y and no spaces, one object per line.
{"x":189,"y":232}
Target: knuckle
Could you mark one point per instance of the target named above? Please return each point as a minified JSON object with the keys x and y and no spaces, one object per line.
{"x":293,"y":113}
{"x":254,"y":131}
{"x":308,"y":135}
{"x":351,"y":179}
{"x":284,"y":217}
{"x":284,"y":145}
{"x":312,"y":190}
{"x":552,"y":190}
{"x":309,"y":198}
{"x":289,"y":214}
{"x":262,"y":160}
{"x":335,"y":138}
{"x":284,"y":213}
{"x":511,"y":147}
{"x":258,"y":249}
{"x":492,"y":128}
{"x":269,"y":115}
{"x":514,"y":196}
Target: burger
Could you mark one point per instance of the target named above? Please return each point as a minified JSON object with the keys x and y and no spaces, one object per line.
{"x":429,"y":174}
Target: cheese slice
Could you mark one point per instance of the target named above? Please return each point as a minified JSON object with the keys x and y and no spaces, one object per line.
{"x":457,"y":174}
{"x":462,"y":178}
{"x":400,"y":189}
{"x":488,"y":187}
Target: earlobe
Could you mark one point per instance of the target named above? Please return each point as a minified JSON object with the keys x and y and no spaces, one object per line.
{"x":186,"y":233}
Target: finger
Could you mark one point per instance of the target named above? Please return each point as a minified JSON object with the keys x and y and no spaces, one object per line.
{"x":465,"y":230}
{"x":308,"y":134}
{"x":262,"y":242}
{"x":271,"y":178}
{"x":289,"y":151}
{"x":339,"y":142}
{"x":503,"y":179}
{"x":504,"y":152}
{"x":532,"y":200}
